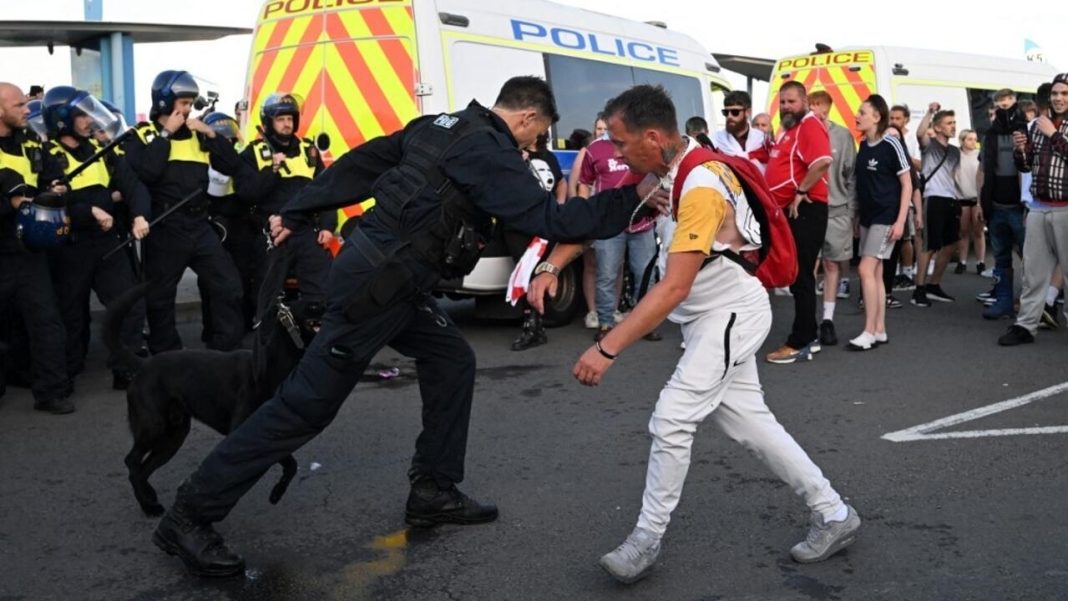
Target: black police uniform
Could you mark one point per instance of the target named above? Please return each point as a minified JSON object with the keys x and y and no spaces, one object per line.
{"x":171,"y":167}
{"x":79,"y":266}
{"x":25,"y":282}
{"x":268,"y":191}
{"x":377,"y":293}
{"x":243,"y":235}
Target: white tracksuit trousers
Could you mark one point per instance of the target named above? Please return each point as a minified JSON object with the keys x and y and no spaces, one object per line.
{"x":717,"y":377}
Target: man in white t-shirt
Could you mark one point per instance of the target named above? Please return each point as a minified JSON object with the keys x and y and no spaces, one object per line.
{"x":725,"y":317}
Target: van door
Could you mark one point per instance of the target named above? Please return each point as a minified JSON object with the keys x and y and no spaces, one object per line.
{"x":354,"y":67}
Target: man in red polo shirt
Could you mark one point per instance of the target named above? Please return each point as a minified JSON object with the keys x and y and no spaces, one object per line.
{"x":797,"y":177}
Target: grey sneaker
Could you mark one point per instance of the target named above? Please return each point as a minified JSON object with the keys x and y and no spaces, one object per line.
{"x":634,"y":559}
{"x":826,"y":539}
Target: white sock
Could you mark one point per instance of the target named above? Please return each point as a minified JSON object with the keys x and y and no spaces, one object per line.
{"x":1051,"y":295}
{"x":839,"y":514}
{"x":910,"y":271}
{"x":828,"y":311}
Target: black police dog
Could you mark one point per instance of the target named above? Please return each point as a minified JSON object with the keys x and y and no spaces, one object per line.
{"x":220,"y":389}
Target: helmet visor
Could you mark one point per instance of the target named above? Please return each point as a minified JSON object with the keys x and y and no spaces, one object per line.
{"x":103,"y":119}
{"x":35,"y":121}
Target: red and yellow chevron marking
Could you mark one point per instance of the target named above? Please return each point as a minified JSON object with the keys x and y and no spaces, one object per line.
{"x":356,"y":68}
{"x":847,"y":87}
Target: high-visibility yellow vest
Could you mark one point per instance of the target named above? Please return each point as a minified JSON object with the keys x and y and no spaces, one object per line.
{"x":187,"y":150}
{"x":299,"y":166}
{"x":94,"y":175}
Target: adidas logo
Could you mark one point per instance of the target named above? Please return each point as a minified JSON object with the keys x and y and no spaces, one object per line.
{"x":873,"y":165}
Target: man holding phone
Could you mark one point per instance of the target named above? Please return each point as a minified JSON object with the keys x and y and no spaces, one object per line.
{"x":1043,"y":153}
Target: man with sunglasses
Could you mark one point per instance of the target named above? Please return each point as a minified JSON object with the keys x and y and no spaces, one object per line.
{"x":738,"y":138}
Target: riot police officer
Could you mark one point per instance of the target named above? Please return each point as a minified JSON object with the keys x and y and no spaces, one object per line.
{"x":285,"y":164}
{"x":438,"y":184}
{"x":233,"y":219}
{"x":25,"y":283}
{"x":71,"y":116}
{"x":171,"y":155}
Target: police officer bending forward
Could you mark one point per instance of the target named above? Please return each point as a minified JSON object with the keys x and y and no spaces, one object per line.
{"x":437,"y":184}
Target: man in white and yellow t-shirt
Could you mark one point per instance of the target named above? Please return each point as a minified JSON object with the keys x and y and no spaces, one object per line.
{"x":725,"y":317}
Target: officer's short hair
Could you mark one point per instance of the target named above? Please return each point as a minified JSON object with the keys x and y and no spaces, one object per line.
{"x":528,"y":92}
{"x":643,"y":107}
{"x":738,"y":98}
{"x":696,"y":125}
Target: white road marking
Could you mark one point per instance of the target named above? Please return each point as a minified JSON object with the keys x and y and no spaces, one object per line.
{"x":924,"y":431}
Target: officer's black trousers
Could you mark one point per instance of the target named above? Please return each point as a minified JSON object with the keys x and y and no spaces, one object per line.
{"x":79,"y":268}
{"x":26,"y":284}
{"x":183,"y":242}
{"x":311,"y":396}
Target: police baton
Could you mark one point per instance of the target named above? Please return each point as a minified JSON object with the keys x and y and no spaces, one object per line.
{"x":119,"y":139}
{"x":270,"y":146}
{"x":152,"y":224}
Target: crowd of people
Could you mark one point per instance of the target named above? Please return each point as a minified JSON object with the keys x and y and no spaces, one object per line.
{"x":181,"y":192}
{"x":207,"y":195}
{"x":900,"y":206}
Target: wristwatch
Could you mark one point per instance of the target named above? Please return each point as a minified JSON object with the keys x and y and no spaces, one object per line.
{"x":547,"y":267}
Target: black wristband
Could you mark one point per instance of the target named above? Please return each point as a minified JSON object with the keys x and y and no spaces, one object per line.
{"x":605,"y":353}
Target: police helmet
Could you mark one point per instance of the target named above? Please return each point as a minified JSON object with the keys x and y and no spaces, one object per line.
{"x":63,"y":103}
{"x":120,"y":120}
{"x":223,"y":124}
{"x":35,"y":120}
{"x":168,"y":87}
{"x":280,"y":104}
{"x":43,"y":223}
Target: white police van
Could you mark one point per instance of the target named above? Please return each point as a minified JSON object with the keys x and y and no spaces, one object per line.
{"x":366,"y":67}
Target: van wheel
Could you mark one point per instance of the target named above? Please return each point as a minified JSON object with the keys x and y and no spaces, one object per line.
{"x":561,"y":310}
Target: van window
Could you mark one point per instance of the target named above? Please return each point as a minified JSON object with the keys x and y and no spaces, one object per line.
{"x":582,"y":87}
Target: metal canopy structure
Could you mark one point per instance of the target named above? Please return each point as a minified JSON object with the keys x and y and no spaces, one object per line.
{"x":79,"y":34}
{"x":753,"y":68}
{"x":102,"y":51}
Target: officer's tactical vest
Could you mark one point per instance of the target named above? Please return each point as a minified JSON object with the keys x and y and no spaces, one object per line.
{"x":189,"y":150}
{"x":455,"y":241}
{"x":96,"y":174}
{"x":28,"y":164}
{"x":302,"y":165}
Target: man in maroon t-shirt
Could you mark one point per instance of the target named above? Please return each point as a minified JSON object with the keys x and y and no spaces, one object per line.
{"x":604,"y":169}
{"x":797,"y":177}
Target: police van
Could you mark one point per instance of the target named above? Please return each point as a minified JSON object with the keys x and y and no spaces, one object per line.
{"x":964,"y":83}
{"x":367,"y":67}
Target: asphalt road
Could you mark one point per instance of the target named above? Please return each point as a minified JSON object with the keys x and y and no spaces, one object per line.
{"x":978,"y":518}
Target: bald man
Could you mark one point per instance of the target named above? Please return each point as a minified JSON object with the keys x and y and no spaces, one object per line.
{"x":763,"y":123}
{"x":25,"y":284}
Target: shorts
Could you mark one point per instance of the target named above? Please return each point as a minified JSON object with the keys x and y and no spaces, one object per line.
{"x":875,"y":241}
{"x":838,"y":241}
{"x":941,"y":224}
{"x":969,"y":202}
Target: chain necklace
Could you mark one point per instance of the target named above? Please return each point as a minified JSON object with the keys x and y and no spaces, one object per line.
{"x":666,"y":182}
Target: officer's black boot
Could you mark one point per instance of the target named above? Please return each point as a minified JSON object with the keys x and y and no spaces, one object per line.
{"x":533,"y":333}
{"x":430,"y":505}
{"x":197,"y":544}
